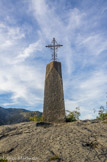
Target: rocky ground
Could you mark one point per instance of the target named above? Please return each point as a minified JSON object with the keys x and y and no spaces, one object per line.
{"x":80,"y":141}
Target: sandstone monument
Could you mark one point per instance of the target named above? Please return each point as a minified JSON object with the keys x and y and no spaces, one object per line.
{"x":54,"y":108}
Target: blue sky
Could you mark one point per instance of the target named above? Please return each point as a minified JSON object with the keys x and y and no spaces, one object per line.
{"x":26,"y":26}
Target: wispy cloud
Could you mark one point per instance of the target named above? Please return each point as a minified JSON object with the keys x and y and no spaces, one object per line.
{"x":79,"y":26}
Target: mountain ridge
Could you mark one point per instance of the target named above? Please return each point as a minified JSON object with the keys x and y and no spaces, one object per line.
{"x":15,"y":115}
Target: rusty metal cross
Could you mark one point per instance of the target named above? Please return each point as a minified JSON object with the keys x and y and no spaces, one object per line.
{"x":54,"y":46}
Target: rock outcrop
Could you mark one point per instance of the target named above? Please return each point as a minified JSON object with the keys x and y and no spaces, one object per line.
{"x":80,"y":141}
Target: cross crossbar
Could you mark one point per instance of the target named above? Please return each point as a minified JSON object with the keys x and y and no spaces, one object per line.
{"x":54,"y":46}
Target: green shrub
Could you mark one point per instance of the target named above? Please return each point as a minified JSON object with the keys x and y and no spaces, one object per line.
{"x":35,"y":117}
{"x":102,"y":114}
{"x":3,"y":160}
{"x":72,"y":116}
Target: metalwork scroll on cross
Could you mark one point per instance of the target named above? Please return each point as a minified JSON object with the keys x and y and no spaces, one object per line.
{"x":54,"y":46}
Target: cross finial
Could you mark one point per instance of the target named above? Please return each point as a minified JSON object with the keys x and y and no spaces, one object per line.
{"x":54,"y":46}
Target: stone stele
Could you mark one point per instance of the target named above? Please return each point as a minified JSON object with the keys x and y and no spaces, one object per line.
{"x":54,"y":107}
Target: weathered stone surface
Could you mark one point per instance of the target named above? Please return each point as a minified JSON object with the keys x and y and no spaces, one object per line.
{"x":70,"y":142}
{"x":54,"y":108}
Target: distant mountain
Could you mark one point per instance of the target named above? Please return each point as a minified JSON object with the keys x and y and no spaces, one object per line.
{"x":15,"y":115}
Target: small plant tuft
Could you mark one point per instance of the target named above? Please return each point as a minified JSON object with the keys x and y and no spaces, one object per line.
{"x":92,"y":144}
{"x":55,"y":157}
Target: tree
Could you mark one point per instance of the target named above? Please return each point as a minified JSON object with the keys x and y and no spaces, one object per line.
{"x":72,"y":116}
{"x":35,"y":117}
{"x":102,"y":113}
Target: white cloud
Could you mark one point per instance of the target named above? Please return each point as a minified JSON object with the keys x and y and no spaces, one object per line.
{"x":9,"y":36}
{"x":18,"y":76}
{"x":34,"y":47}
{"x":23,"y":61}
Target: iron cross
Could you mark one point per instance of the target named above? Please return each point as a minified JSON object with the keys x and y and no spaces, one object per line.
{"x":54,"y":46}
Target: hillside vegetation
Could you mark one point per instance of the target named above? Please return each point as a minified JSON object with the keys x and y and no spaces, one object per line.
{"x":13,"y":115}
